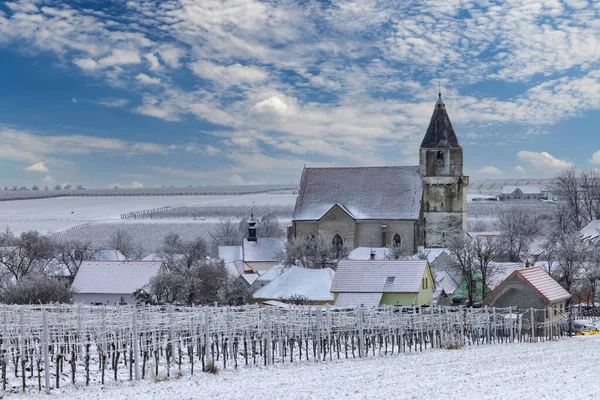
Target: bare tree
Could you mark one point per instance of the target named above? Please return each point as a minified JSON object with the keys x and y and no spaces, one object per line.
{"x":37,"y":289}
{"x":28,"y":254}
{"x":486,"y":251}
{"x":178,"y":253}
{"x":123,"y":241}
{"x":226,"y":233}
{"x":579,"y":195}
{"x":518,"y":228}
{"x":312,"y":252}
{"x":464,"y":263}
{"x":69,"y":254}
{"x":269,"y":227}
{"x":571,"y":256}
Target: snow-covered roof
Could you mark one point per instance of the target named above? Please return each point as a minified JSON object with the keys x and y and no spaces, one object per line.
{"x":371,"y":276}
{"x":314,"y":284}
{"x":591,"y":231}
{"x":109,"y":255}
{"x":271,"y":273}
{"x":502,"y":270}
{"x":163,"y":257}
{"x":541,"y":282}
{"x":230,"y":253}
{"x":364,"y":253}
{"x":368,"y":193}
{"x":447,"y":281}
{"x":114,"y":276}
{"x":356,"y":299}
{"x":528,"y":189}
{"x":250,"y":278}
{"x":264,"y":249}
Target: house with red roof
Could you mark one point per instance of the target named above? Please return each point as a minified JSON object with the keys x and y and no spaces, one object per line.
{"x":529,"y":288}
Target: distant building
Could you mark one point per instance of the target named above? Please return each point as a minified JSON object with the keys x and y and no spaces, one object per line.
{"x":590,"y":232}
{"x":378,"y":283}
{"x":385,"y":206}
{"x":112,"y":282}
{"x":302,"y":285}
{"x":521,"y":193}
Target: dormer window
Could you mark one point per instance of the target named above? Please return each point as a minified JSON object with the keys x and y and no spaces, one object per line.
{"x":439,"y":162}
{"x":389,"y":280}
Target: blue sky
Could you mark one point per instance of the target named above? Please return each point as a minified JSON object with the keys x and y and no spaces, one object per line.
{"x":243,"y":91}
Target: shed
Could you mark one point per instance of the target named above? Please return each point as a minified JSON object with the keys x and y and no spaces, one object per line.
{"x":374,"y":283}
{"x":112,"y":282}
{"x":529,"y":288}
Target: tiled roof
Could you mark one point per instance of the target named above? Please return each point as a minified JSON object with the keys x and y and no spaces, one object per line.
{"x":440,"y":133}
{"x":357,"y":299}
{"x":371,"y":276}
{"x":114,"y":276}
{"x":368,"y":193}
{"x":544,"y":284}
{"x":264,"y":249}
{"x":313,"y":284}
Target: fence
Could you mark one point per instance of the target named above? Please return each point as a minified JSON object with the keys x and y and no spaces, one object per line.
{"x":45,"y":347}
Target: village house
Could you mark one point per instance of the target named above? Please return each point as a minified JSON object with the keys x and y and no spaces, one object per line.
{"x":528,"y":288}
{"x":408,"y":207}
{"x":299,"y":285}
{"x":112,"y":282}
{"x":377,"y":283}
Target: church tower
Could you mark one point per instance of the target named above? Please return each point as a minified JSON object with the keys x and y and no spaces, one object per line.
{"x":444,"y":185}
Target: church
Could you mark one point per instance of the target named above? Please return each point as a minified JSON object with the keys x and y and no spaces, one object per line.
{"x":405,"y":206}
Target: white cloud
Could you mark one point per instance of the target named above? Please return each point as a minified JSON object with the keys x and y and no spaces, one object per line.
{"x":229,"y":75}
{"x":595,"y":158}
{"x":543,"y":160}
{"x":520,"y":169}
{"x":48,"y":180}
{"x":202,"y":149}
{"x":137,"y":185}
{"x":490,"y":171}
{"x":74,"y":100}
{"x":274,"y":106}
{"x":38,"y":167}
{"x":153,"y":61}
{"x":120,"y":57}
{"x":112,"y":102}
{"x":235,"y":179}
{"x":147,"y":80}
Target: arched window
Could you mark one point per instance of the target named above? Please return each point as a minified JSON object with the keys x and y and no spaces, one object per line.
{"x":439,"y":162}
{"x":397,"y":240}
{"x":338,"y":244}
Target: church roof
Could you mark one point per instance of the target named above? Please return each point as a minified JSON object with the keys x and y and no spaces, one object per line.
{"x":440,"y":133}
{"x":368,"y":193}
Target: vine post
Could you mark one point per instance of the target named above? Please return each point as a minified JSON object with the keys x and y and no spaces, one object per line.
{"x":45,"y":345}
{"x":136,"y":350}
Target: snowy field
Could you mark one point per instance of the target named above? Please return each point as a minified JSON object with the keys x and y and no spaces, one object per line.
{"x":564,"y":369}
{"x":57,"y":214}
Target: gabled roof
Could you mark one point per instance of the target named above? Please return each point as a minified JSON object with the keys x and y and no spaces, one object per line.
{"x":264,"y":249}
{"x":591,"y":231}
{"x":313,"y":284}
{"x":371,"y":276}
{"x":529,"y":189}
{"x":440,"y":133}
{"x":114,"y":277}
{"x":540,"y":281}
{"x":367,"y":193}
{"x":341,"y":207}
{"x":270,"y":274}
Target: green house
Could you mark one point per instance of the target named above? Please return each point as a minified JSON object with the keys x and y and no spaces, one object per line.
{"x":499,"y":271}
{"x":373,"y":283}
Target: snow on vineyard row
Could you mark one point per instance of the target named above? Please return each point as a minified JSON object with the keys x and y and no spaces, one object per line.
{"x":92,"y":345}
{"x":550,"y":370}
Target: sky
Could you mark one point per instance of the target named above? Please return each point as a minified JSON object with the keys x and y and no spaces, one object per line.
{"x":214,"y":92}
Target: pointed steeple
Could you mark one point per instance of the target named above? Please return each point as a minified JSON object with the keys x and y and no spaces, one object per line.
{"x":440,"y":134}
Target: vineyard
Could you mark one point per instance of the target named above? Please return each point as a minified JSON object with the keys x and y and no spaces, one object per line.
{"x":212,"y":212}
{"x":45,"y":347}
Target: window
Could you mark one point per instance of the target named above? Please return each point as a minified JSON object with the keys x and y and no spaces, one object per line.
{"x":383,"y":235}
{"x":439,"y":162}
{"x":397,"y":240}
{"x":426,"y":283}
{"x":338,"y":244}
{"x":389,"y":280}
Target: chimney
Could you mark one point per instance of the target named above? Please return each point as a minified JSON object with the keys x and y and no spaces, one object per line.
{"x":252,"y":229}
{"x":372,"y":255}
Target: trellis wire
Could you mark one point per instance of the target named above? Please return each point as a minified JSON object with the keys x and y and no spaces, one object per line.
{"x":82,"y":345}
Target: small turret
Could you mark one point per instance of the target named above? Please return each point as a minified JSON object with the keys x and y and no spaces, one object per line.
{"x":252,"y":229}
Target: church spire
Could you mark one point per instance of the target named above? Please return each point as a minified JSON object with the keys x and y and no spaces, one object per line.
{"x":440,"y":133}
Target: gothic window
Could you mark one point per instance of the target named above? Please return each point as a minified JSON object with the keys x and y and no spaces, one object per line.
{"x":439,"y":162}
{"x":338,"y":244}
{"x":397,"y":240}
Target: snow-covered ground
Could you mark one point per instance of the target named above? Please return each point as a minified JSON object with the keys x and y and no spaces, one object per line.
{"x":565,"y":369}
{"x":57,"y":214}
